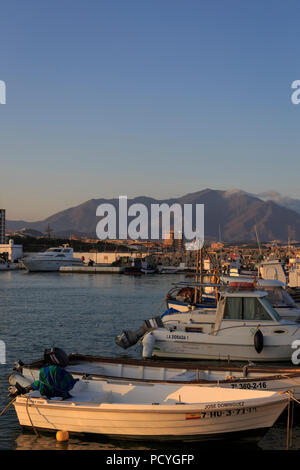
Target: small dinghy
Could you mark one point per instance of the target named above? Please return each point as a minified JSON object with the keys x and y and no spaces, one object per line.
{"x":249,"y":377}
{"x":150,"y":411}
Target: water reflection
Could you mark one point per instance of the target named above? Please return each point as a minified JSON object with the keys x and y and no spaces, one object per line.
{"x":84,"y":313}
{"x":29,"y":441}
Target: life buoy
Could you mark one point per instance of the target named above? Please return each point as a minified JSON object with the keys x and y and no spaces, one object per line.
{"x":258,"y":341}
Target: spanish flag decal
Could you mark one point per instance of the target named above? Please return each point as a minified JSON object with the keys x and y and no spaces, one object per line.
{"x":193,"y":416}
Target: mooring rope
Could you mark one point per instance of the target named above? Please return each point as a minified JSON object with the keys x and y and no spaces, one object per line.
{"x":32,"y":425}
{"x":7,"y":406}
{"x":290,"y":418}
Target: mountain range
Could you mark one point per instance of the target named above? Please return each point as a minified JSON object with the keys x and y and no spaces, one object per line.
{"x":231,"y":215}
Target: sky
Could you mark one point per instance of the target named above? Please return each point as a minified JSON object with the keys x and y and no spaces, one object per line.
{"x":146,"y":97}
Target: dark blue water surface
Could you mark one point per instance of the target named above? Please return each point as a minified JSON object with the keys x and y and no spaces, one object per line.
{"x":80,"y":313}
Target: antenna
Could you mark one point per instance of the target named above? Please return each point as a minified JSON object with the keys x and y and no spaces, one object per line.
{"x":257,"y":239}
{"x":48,"y":231}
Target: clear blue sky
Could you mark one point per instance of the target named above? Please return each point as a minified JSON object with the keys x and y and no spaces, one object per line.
{"x":146,"y":97}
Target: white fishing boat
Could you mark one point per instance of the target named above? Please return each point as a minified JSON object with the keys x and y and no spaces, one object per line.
{"x":153,"y":411}
{"x":244,"y":327}
{"x":250,"y":377}
{"x":52,"y":259}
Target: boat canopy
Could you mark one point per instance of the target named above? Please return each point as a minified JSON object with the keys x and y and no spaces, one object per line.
{"x":244,"y":306}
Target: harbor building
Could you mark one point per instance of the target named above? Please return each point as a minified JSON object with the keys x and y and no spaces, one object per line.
{"x":171,"y":242}
{"x":2,"y":226}
{"x":10,"y":251}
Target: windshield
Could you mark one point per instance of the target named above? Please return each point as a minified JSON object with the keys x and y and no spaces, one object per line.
{"x":247,"y":308}
{"x":278,"y":297}
{"x":265,"y":302}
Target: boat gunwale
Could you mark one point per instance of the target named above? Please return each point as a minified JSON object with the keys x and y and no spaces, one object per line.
{"x":281,"y":373}
{"x":177,"y":408}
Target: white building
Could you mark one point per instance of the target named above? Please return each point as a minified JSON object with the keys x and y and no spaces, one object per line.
{"x":11,"y":251}
{"x":2,"y":226}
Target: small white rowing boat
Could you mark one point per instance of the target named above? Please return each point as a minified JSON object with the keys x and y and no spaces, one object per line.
{"x":153,"y":411}
{"x":249,"y":377}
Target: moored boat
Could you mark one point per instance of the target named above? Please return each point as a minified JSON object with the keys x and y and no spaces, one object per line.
{"x":244,"y":327}
{"x":153,"y":411}
{"x":251,"y":377}
{"x":52,"y":259}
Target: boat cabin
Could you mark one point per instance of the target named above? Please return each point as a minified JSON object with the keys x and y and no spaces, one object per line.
{"x":59,"y":252}
{"x":249,"y":306}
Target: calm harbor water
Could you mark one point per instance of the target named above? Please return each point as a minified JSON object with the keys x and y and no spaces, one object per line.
{"x":81,"y":313}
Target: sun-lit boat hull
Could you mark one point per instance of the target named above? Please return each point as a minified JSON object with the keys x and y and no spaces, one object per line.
{"x":184,"y":345}
{"x":167,"y":415}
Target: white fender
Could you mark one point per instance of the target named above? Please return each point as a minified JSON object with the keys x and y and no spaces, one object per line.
{"x":148,"y":345}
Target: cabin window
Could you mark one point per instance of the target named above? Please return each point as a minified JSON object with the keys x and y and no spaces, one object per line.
{"x":265,"y":302}
{"x":278,"y":297}
{"x":245,"y":308}
{"x":234,"y":308}
{"x":254,"y":310}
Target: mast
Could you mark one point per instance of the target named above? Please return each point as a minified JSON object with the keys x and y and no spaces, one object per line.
{"x":196,"y":276}
{"x":257,"y":239}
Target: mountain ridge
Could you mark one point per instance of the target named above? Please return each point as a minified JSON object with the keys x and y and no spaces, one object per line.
{"x":235,"y":212}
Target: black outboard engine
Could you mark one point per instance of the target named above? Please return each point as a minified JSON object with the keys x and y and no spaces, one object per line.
{"x":56,"y":356}
{"x":130,"y":338}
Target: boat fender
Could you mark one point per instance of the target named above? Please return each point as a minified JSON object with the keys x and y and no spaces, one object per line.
{"x":148,"y":345}
{"x":258,"y":341}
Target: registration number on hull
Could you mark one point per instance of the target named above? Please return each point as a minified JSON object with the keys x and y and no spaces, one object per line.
{"x":220,"y":413}
{"x":250,"y":385}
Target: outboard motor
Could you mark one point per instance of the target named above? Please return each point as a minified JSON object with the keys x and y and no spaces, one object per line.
{"x":17,"y":377}
{"x":56,"y":356}
{"x":18,"y":383}
{"x":258,"y":341}
{"x":18,"y":366}
{"x":130,"y":338}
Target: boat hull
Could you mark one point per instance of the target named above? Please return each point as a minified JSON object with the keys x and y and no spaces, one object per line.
{"x":150,"y":422}
{"x":33,"y":265}
{"x":220,"y":352}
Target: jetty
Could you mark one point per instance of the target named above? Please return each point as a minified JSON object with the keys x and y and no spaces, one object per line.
{"x":92,"y":269}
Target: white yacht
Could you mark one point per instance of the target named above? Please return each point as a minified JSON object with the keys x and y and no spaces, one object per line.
{"x":52,"y":259}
